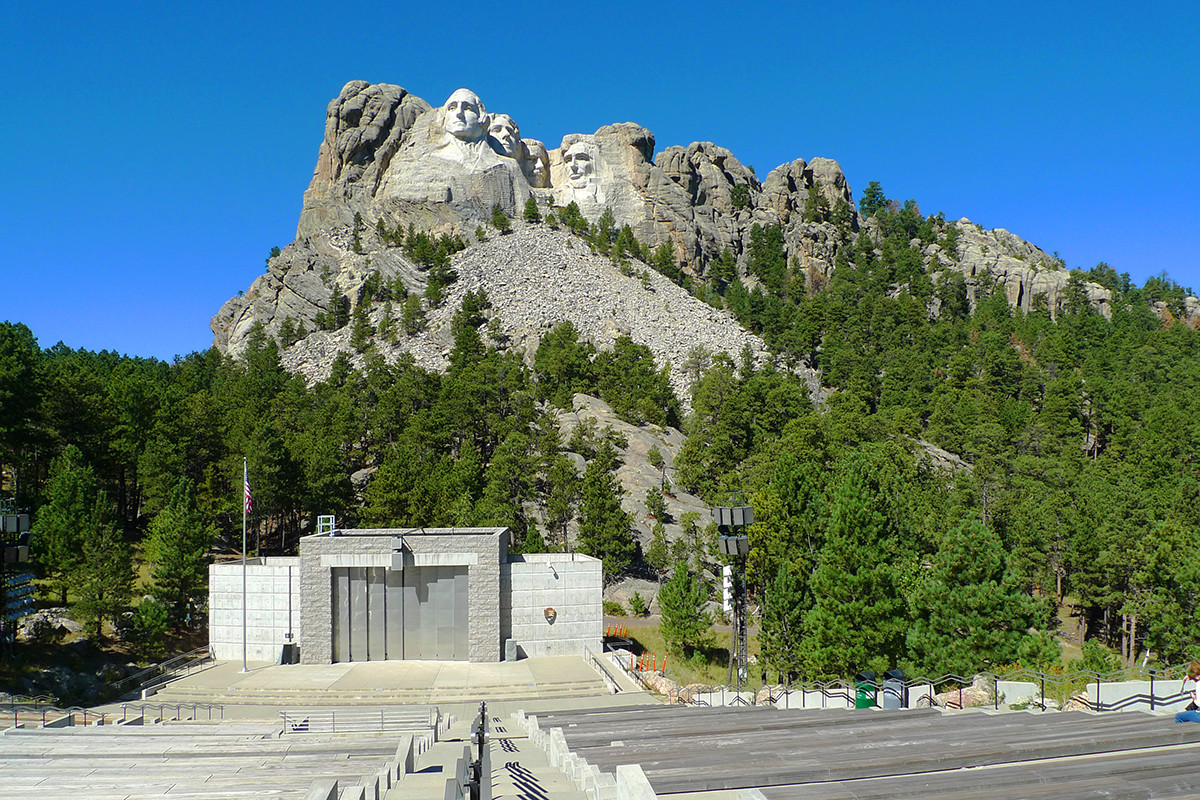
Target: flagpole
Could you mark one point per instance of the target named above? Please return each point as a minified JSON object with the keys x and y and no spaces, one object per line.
{"x":245,"y":487}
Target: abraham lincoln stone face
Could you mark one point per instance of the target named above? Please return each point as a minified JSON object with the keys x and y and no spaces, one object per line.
{"x":580,"y":160}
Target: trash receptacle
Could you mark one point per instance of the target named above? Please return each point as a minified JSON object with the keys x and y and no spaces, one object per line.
{"x":894,"y":692}
{"x":864,"y":690}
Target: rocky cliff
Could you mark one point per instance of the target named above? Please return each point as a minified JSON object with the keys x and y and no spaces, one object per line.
{"x":389,"y":161}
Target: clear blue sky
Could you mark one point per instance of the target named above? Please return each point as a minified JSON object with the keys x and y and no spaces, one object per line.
{"x":155,"y":152}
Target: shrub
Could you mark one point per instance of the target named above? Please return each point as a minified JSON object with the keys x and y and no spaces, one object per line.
{"x":500,"y":220}
{"x":638,"y":606}
{"x":148,"y":628}
{"x":614,"y":609}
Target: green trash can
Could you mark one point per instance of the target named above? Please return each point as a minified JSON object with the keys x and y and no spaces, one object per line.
{"x":864,"y":690}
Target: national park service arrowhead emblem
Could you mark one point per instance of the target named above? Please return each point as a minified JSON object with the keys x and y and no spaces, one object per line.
{"x":551,"y":615}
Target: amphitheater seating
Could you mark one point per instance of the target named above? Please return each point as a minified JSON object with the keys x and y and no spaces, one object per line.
{"x":183,"y":760}
{"x":877,"y":754}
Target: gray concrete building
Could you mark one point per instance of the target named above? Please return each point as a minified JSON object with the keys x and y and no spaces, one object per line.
{"x":380,"y":594}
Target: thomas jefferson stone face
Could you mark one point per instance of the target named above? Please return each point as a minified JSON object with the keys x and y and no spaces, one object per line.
{"x":580,"y":160}
{"x":464,"y":116}
{"x":536,"y":164}
{"x":504,"y":136}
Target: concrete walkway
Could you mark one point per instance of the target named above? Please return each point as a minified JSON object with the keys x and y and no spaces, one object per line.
{"x":520,"y":770}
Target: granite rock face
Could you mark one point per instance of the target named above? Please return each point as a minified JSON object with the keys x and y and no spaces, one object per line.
{"x":364,"y":127}
{"x":389,"y":158}
{"x":1025,"y":271}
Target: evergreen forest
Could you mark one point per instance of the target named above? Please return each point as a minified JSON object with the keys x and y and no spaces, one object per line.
{"x":1076,"y":483}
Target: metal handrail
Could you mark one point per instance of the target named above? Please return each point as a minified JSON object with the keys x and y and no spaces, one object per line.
{"x":44,"y":710}
{"x":178,"y":707}
{"x":24,"y":700}
{"x":390,"y":718}
{"x":147,"y":677}
{"x":598,"y":664}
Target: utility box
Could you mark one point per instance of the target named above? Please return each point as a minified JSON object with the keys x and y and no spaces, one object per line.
{"x":894,"y":691}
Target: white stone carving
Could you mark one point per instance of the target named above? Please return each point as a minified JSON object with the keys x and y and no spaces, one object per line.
{"x":504,"y":136}
{"x":580,"y":161}
{"x":464,"y":117}
{"x":447,"y":159}
{"x":535,"y":163}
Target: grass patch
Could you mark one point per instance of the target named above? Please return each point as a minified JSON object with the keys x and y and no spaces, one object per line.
{"x":710,"y":666}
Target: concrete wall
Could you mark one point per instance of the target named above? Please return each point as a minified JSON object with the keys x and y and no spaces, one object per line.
{"x":268,"y":586}
{"x":481,"y":550}
{"x":570,"y":584}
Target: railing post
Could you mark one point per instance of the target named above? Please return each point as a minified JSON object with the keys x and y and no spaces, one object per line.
{"x":1099,"y":707}
{"x":1151,"y":690}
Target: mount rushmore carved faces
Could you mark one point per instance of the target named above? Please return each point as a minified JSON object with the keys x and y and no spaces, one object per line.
{"x":580,"y":161}
{"x":535,"y":163}
{"x":464,"y":117}
{"x":504,"y":136}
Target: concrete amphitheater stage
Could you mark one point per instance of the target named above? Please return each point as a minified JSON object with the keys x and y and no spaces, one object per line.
{"x":440,"y":683}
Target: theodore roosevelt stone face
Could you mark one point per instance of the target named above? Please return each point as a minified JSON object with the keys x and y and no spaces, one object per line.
{"x":580,"y":160}
{"x":464,"y":116}
{"x":504,"y":136}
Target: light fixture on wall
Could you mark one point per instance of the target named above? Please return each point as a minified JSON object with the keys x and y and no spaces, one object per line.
{"x":552,"y":569}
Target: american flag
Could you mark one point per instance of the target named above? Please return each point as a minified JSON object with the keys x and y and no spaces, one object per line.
{"x":249,"y":499}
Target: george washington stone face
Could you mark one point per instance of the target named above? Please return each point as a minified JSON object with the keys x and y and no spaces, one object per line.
{"x":464,"y":117}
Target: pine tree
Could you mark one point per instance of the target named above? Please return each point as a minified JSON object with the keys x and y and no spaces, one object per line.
{"x":562,"y":497}
{"x":500,"y":219}
{"x":412,"y":315}
{"x":656,"y":506}
{"x":531,"y":211}
{"x":659,"y":554}
{"x":58,"y":533}
{"x":105,"y":572}
{"x":361,"y":333}
{"x":178,"y":550}
{"x":685,"y":622}
{"x":872,"y":200}
{"x":783,"y":624}
{"x":654,"y":457}
{"x":858,"y":615}
{"x":971,"y":611}
{"x":604,"y":528}
{"x":664,"y":261}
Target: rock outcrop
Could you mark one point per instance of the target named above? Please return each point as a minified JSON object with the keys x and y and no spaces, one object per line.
{"x":1025,"y":271}
{"x":390,"y":159}
{"x":387,"y":155}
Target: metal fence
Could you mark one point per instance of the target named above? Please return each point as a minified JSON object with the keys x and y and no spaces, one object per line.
{"x":1120,"y":690}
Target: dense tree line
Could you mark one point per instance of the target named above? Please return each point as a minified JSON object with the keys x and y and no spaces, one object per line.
{"x":1079,"y":435}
